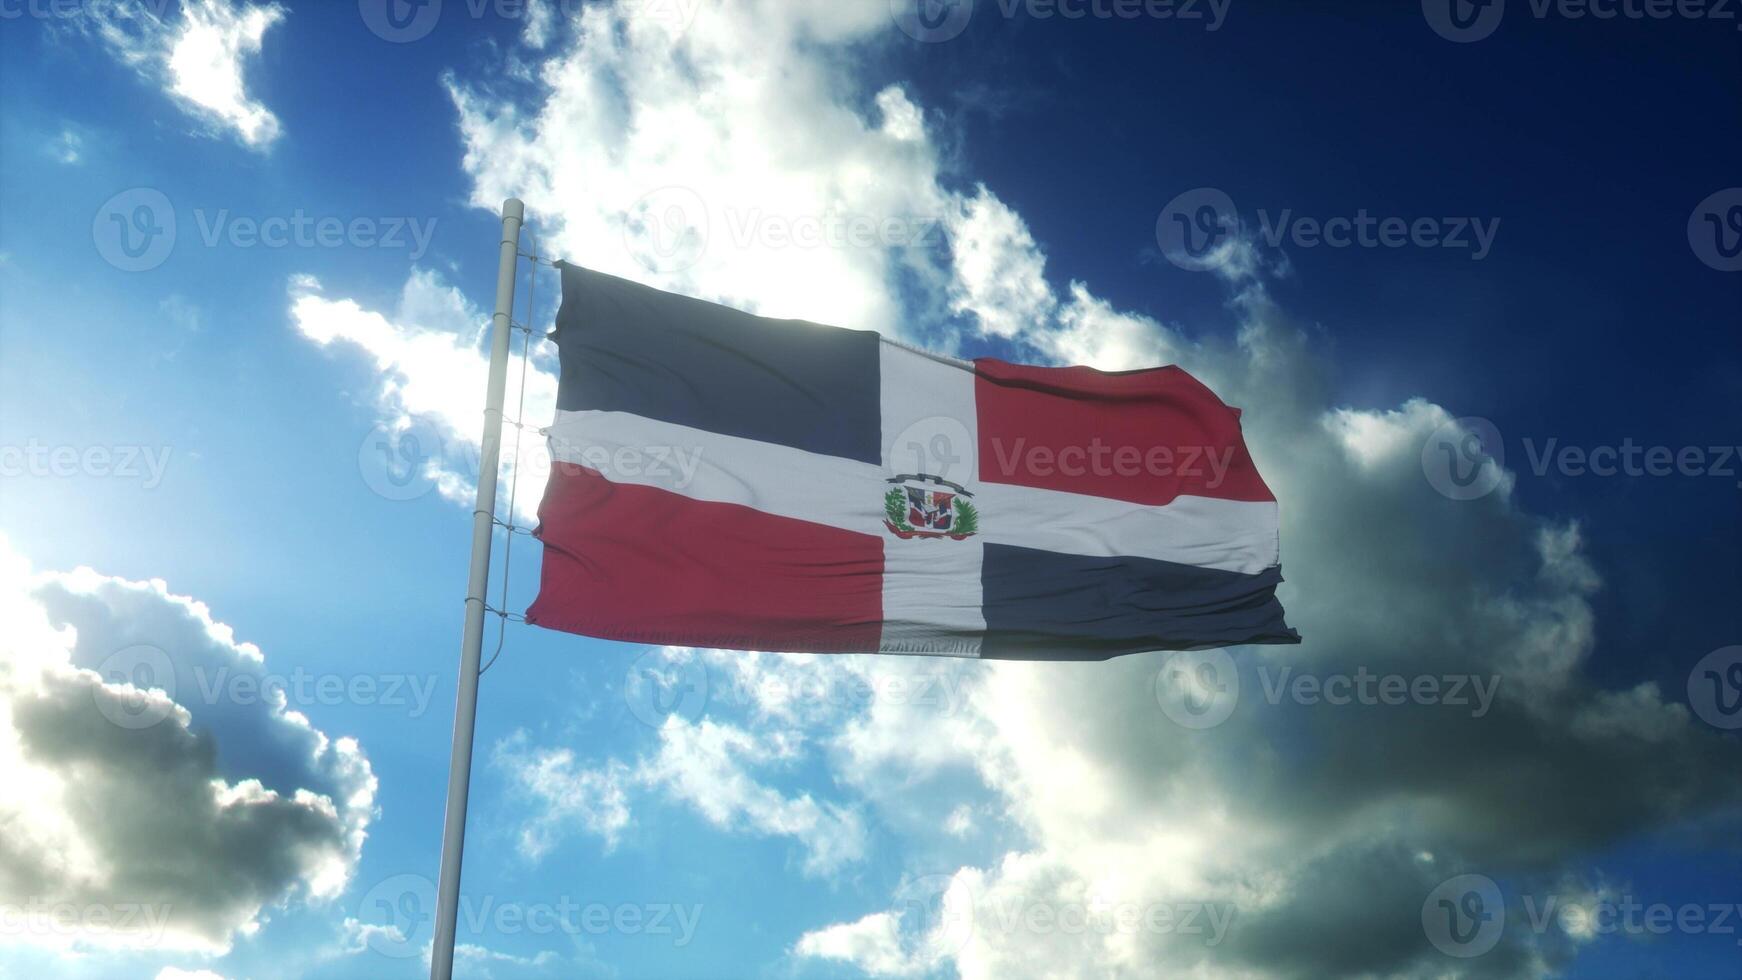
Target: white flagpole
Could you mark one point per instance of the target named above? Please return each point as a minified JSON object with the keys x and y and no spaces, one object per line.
{"x":441,"y":962}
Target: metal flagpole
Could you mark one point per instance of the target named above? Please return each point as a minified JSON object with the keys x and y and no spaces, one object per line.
{"x":441,"y":962}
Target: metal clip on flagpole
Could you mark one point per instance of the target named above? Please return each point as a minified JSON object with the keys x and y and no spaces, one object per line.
{"x":441,"y":963}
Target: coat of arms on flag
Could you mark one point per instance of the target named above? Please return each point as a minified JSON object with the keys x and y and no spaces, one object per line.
{"x":1065,"y":521}
{"x":923,"y":506}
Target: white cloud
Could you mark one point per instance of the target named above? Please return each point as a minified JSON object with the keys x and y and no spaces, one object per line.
{"x":679,"y":157}
{"x":470,"y":959}
{"x":68,"y":147}
{"x":960,"y":822}
{"x":567,"y":793}
{"x":360,"y":937}
{"x":198,"y":59}
{"x":872,"y":944}
{"x":540,"y":20}
{"x":478,"y":961}
{"x":705,"y":765}
{"x":177,"y":973}
{"x":998,"y":269}
{"x":433,"y":371}
{"x":174,"y":820}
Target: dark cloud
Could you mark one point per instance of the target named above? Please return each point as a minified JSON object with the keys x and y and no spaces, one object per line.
{"x":203,"y":810}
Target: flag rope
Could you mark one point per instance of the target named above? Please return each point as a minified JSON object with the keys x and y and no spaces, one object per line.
{"x":503,"y":616}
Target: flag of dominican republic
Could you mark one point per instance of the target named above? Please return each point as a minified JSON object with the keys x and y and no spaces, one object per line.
{"x":732,"y":481}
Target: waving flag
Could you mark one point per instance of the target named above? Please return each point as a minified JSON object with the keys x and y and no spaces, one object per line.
{"x":727,"y":480}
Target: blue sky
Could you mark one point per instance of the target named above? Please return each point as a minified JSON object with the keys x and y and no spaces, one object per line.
{"x":255,"y":407}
